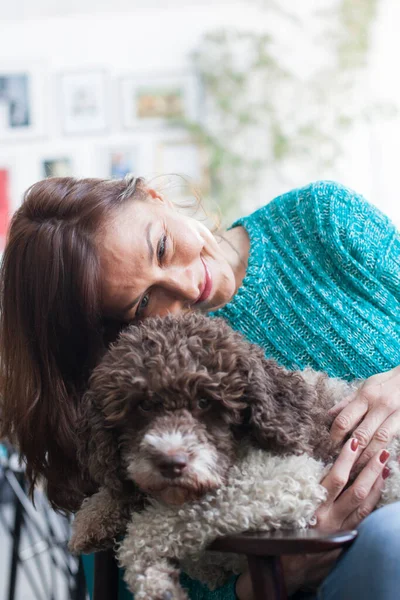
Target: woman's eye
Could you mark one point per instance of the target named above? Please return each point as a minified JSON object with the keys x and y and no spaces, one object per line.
{"x":161,"y":247}
{"x":143,"y":303}
{"x":203,"y":403}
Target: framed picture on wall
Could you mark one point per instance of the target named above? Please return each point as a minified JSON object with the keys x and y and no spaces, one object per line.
{"x":122,"y":162}
{"x":57,"y":167}
{"x":22,"y":103}
{"x":118,"y":160}
{"x":159,"y":100}
{"x":5,"y":204}
{"x":84,"y":102}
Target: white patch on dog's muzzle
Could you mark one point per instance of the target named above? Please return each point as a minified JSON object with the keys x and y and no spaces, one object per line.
{"x":200,"y":474}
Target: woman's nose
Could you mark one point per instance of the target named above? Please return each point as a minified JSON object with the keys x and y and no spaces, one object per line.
{"x":184,"y":283}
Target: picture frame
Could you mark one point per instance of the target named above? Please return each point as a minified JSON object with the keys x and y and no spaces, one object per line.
{"x":117,"y":160}
{"x":84,"y":103}
{"x":123,"y":161}
{"x":159,"y":100}
{"x":60,"y":166}
{"x":22,"y":108}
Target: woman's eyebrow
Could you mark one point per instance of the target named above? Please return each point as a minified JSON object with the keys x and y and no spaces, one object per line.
{"x":151,"y":257}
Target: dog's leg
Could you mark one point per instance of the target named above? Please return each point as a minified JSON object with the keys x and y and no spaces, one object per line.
{"x":151,"y":552}
{"x":97,"y":524}
{"x":156,"y":581}
{"x":149,"y":573}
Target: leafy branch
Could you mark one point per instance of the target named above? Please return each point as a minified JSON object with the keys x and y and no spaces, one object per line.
{"x":260,"y":113}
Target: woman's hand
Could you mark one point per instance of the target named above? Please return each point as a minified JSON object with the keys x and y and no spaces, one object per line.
{"x":372,"y":414}
{"x":343,"y":509}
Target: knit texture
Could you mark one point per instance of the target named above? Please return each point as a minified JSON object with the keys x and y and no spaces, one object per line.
{"x":322,"y":287}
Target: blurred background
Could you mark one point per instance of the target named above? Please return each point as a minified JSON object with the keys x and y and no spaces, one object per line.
{"x":235,"y":101}
{"x":244,"y":99}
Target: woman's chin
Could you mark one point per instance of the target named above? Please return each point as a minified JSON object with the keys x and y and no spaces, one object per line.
{"x":220,"y":299}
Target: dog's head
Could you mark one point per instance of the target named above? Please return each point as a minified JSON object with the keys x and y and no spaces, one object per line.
{"x":170,"y":400}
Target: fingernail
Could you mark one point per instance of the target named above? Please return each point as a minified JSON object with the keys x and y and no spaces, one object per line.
{"x":384,"y":456}
{"x":354,"y":444}
{"x":385,"y":472}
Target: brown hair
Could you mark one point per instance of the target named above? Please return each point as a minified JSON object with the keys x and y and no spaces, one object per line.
{"x":51,"y":329}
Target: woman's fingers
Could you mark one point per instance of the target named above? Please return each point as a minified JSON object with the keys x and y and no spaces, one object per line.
{"x":338,"y":476}
{"x":335,"y":410}
{"x":362,"y":491}
{"x":348,"y":419}
{"x":369,"y":504}
{"x":346,"y":506}
{"x":378,"y":398}
{"x":374,"y":434}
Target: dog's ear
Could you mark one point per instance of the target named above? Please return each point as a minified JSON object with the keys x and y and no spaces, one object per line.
{"x":279,"y":405}
{"x":98,"y":445}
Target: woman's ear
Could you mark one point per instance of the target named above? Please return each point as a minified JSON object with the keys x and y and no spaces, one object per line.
{"x":155,"y":195}
{"x":159,"y":197}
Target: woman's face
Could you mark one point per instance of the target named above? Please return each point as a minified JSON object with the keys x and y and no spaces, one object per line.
{"x":156,"y":261}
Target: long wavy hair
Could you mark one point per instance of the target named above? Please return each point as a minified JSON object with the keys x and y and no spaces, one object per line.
{"x":51,"y":327}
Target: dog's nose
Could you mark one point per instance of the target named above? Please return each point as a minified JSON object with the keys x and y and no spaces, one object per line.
{"x":172,"y":466}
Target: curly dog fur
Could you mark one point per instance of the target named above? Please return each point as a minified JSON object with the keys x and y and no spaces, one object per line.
{"x":191,"y":433}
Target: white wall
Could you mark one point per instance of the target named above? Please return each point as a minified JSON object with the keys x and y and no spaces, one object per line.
{"x":160,"y":40}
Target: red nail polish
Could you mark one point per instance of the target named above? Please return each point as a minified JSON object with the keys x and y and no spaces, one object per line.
{"x":354,"y":444}
{"x":384,"y":456}
{"x":385,"y":472}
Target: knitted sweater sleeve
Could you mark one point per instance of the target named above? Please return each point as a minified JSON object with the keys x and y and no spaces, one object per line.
{"x":359,"y":239}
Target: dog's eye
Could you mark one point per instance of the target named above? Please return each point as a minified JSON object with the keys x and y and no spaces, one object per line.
{"x":145,"y":405}
{"x":203,"y":403}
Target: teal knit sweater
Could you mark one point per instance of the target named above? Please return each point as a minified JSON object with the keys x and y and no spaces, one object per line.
{"x":322,"y":288}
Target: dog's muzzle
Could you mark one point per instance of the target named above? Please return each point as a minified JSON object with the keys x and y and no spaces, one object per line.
{"x":175,"y":460}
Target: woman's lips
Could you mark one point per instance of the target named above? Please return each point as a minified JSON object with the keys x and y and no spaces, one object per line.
{"x":207,"y":285}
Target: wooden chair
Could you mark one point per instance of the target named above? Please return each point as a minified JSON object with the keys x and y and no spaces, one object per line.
{"x":263,"y":551}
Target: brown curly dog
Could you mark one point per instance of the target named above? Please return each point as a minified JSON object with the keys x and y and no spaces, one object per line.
{"x":170,"y":406}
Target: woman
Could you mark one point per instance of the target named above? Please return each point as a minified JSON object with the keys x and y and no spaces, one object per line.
{"x":313,"y":277}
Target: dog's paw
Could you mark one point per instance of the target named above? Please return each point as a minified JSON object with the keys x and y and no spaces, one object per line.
{"x":155,"y":582}
{"x":176,"y":595}
{"x":159,"y":592}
